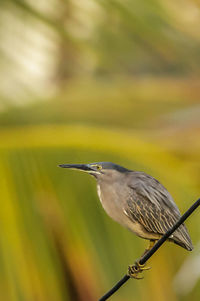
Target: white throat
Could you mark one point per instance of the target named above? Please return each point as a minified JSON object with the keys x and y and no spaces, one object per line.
{"x":99,"y":192}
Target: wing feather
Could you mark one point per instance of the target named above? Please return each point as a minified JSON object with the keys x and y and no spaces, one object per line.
{"x":152,"y":206}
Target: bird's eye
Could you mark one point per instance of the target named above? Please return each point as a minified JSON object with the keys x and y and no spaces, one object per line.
{"x":96,"y":166}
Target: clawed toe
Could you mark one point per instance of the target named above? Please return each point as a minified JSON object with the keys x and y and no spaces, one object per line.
{"x":136,"y":269}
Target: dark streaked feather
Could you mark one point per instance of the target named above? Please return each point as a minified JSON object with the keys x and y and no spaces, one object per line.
{"x":152,"y":206}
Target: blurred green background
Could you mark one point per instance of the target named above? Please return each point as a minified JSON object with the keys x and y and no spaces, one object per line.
{"x":87,"y":81}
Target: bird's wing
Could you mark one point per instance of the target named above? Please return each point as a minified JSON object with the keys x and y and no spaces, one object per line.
{"x":152,"y":217}
{"x":152,"y":206}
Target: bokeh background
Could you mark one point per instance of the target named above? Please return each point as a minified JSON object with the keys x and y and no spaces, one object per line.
{"x":87,"y":81}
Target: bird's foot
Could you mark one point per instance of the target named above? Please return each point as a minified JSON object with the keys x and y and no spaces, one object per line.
{"x":136,"y":269}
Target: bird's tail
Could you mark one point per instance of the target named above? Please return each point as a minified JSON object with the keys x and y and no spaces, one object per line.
{"x":182,"y":238}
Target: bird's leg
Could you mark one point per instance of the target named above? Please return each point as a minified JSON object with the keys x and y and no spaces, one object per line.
{"x":137,"y":268}
{"x":151,"y":244}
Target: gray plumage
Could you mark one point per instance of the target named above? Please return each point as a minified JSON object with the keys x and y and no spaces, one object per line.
{"x":137,"y":201}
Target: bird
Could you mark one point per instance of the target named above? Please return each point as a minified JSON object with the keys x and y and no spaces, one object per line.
{"x":138,"y":202}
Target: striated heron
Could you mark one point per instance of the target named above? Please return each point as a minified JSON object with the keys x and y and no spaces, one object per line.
{"x":137,"y":201}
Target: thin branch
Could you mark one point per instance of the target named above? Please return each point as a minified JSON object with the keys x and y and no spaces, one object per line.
{"x":159,"y":243}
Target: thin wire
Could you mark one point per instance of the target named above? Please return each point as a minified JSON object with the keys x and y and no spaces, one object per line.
{"x":159,"y":243}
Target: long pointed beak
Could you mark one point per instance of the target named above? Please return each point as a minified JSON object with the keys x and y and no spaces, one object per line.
{"x":83,"y":167}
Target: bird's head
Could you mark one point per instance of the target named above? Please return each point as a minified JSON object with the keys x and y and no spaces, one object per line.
{"x":99,"y":170}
